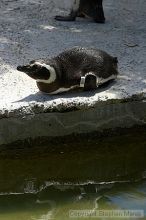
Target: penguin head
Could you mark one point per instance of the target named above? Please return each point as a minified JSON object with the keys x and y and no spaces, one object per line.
{"x":39,"y":71}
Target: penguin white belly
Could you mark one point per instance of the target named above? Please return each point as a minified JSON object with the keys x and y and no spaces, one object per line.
{"x":61,"y":90}
{"x":100,"y":81}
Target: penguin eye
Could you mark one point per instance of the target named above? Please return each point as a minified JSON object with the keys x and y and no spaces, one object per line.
{"x":32,"y":61}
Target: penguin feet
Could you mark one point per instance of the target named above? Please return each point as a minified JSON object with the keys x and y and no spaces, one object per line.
{"x":64,"y":18}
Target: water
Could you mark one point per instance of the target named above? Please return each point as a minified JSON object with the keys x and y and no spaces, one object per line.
{"x":56,"y":180}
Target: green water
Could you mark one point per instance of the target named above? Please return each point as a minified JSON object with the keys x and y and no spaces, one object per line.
{"x":56,"y":202}
{"x":56,"y":180}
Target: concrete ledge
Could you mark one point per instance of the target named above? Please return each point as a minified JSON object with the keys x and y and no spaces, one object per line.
{"x":99,"y":118}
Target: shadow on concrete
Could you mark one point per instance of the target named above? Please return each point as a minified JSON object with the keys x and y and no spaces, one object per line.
{"x":42,"y":97}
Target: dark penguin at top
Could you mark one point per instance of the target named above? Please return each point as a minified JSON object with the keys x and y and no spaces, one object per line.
{"x":78,"y":67}
{"x":85,"y":8}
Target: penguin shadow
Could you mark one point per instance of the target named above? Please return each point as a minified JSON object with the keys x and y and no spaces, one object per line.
{"x":42,"y":97}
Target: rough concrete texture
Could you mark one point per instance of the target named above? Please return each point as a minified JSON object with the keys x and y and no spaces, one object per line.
{"x":29,"y":31}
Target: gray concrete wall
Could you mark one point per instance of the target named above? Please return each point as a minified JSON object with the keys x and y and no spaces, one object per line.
{"x":102,"y":116}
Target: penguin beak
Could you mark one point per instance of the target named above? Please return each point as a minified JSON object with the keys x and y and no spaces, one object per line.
{"x":24,"y":69}
{"x":27,"y":70}
{"x":19,"y":68}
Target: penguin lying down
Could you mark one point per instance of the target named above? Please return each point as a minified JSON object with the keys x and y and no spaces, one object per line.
{"x":72,"y":69}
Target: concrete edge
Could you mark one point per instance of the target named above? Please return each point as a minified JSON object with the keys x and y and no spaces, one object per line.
{"x":101,"y":117}
{"x":34,"y":108}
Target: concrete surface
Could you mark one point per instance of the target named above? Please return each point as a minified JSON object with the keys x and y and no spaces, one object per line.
{"x":29,"y":31}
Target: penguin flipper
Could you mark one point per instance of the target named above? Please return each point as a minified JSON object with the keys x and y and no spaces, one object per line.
{"x":89,"y":81}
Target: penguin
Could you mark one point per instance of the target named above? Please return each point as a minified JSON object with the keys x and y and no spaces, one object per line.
{"x":85,"y":8}
{"x":78,"y":67}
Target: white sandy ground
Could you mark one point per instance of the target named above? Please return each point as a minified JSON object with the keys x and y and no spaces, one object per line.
{"x":28,"y":31}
